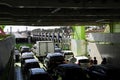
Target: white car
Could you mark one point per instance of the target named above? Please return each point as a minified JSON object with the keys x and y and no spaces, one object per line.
{"x":83,"y":61}
{"x":67,"y":54}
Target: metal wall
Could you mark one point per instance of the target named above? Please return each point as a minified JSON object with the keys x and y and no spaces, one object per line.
{"x":6,"y":57}
{"x":105,"y":37}
{"x":105,"y":45}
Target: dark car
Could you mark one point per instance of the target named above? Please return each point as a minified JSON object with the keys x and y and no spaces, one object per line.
{"x":26,"y":55}
{"x":24,"y":49}
{"x":30,"y":63}
{"x":70,"y":72}
{"x":100,"y":72}
{"x":38,"y":74}
{"x":52,"y":60}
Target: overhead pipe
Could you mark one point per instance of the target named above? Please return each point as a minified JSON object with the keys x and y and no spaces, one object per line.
{"x":56,"y":10}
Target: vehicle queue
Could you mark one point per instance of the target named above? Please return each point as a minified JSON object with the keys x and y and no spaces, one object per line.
{"x":57,"y":66}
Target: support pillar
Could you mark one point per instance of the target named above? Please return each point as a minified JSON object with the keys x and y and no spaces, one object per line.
{"x":78,"y":43}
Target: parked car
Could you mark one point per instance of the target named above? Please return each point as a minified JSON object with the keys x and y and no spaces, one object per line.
{"x":30,"y":63}
{"x":83,"y":61}
{"x":52,"y":60}
{"x":70,"y":72}
{"x":38,"y":74}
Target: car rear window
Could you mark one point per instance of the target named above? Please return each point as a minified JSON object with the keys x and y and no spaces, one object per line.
{"x":84,"y":60}
{"x":32,"y":65}
{"x":57,"y":58}
{"x":26,"y":49}
{"x":69,"y":53}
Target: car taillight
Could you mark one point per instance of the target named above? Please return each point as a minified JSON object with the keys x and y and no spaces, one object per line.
{"x":78,"y":63}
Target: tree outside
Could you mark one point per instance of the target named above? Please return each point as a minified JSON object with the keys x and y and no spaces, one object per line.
{"x":1,"y":30}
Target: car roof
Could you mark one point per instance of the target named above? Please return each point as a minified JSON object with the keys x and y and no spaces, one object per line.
{"x":31,"y":60}
{"x":69,"y":66}
{"x":17,"y":51}
{"x":24,"y":46}
{"x":25,"y":55}
{"x":80,"y":57}
{"x":37,"y":71}
{"x":66,"y":51}
{"x":54,"y":54}
{"x":28,"y":52}
{"x":57,"y":48}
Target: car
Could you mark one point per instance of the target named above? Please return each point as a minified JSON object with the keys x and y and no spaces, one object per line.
{"x":57,"y":49}
{"x":67,"y":54}
{"x":25,"y":58}
{"x":100,"y":72}
{"x":26,"y":55}
{"x":38,"y":74}
{"x":70,"y":72}
{"x":83,"y":61}
{"x":30,"y":63}
{"x":52,"y":60}
{"x":96,"y":72}
{"x":24,"y":49}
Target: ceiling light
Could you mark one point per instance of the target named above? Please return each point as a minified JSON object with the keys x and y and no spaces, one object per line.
{"x":21,"y":6}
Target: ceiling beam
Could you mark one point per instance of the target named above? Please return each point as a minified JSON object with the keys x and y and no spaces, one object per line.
{"x":63,"y":3}
{"x":61,"y":12}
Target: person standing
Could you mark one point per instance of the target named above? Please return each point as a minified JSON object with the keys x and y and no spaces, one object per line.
{"x":95,"y":61}
{"x":104,"y":61}
{"x":90,"y":60}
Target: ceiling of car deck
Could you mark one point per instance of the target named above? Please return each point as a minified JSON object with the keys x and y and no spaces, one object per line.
{"x":58,"y":12}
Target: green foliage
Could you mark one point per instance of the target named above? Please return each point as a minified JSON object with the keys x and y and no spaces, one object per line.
{"x":2,"y":26}
{"x":78,"y":32}
{"x":3,"y":36}
{"x":26,"y":44}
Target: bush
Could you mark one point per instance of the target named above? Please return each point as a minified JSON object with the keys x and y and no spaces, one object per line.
{"x":3,"y":36}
